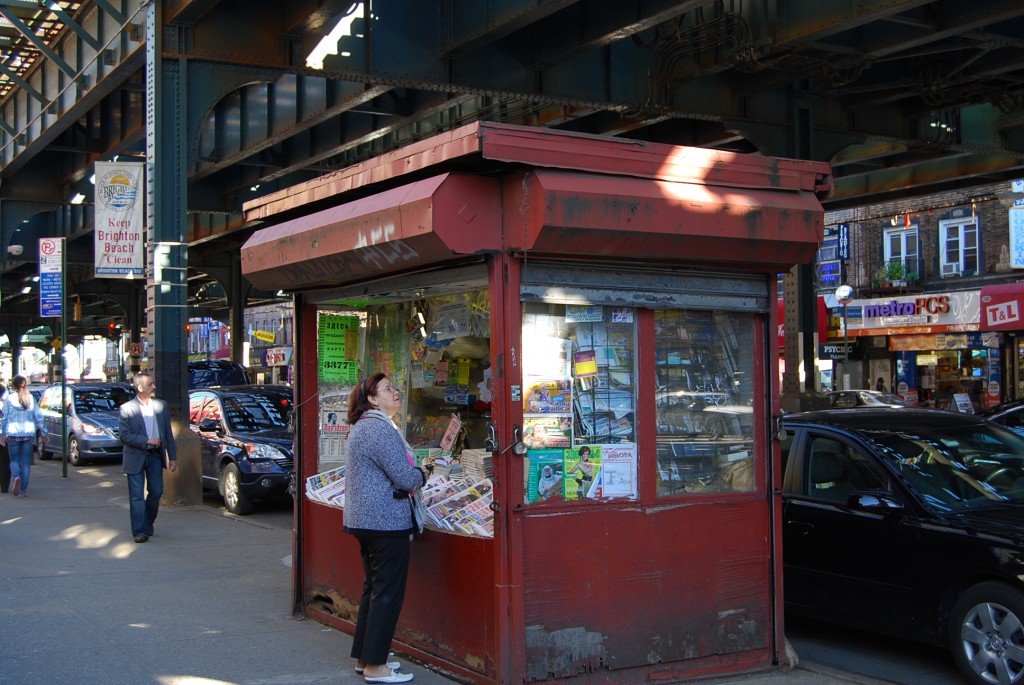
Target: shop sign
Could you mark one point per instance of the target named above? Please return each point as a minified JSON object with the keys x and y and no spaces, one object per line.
{"x":265,"y":336}
{"x":1002,"y":306}
{"x":944,"y":341}
{"x":278,"y":356}
{"x":836,"y":351}
{"x":917,"y":314}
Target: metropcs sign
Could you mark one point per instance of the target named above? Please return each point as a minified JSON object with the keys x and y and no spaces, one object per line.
{"x":956,"y":312}
{"x":920,"y":305}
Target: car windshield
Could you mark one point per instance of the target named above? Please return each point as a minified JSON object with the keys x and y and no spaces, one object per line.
{"x":100,"y":399}
{"x":958,"y":467}
{"x":252,"y":412}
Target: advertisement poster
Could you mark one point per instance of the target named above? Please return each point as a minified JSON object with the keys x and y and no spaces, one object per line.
{"x":338,"y":349}
{"x":119,"y":220}
{"x":618,"y":471}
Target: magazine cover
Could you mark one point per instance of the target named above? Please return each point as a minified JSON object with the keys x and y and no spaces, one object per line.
{"x":544,"y":476}
{"x":582,"y":471}
{"x":550,"y":430}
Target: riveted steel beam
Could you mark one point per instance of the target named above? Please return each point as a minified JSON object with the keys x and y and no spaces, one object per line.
{"x":30,"y":36}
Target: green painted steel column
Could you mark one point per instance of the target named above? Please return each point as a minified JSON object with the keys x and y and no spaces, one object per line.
{"x":167,"y":251}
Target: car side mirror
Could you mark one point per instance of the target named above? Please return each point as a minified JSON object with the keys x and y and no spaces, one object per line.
{"x":875,"y":501}
{"x":209,"y":425}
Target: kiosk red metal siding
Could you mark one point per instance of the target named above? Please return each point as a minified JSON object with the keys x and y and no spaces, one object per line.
{"x":632,"y":591}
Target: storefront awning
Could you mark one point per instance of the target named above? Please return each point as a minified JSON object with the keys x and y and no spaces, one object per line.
{"x":1002,"y":307}
{"x":419,"y":224}
{"x":560,"y":214}
{"x":597,"y":215}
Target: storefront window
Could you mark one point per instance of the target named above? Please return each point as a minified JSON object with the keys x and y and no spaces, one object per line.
{"x":578,"y":402}
{"x":704,"y":364}
{"x":436,"y":351}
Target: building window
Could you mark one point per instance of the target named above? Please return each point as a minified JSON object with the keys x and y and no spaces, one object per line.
{"x":958,"y":247}
{"x":901,"y":246}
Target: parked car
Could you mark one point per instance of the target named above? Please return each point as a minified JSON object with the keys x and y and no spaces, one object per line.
{"x":206,"y":373}
{"x":909,"y":522}
{"x":1009,"y":414}
{"x":245,"y":442}
{"x":848,"y":399}
{"x":91,"y":420}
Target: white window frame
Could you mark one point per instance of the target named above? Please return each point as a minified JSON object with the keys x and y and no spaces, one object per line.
{"x":909,"y":238}
{"x":954,"y":265}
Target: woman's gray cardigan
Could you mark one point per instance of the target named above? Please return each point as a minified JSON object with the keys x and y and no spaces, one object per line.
{"x":375,"y":468}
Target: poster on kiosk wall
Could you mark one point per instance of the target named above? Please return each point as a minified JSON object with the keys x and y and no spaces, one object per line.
{"x":119,"y":220}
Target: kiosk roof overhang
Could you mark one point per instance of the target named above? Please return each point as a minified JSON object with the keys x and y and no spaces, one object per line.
{"x":561,"y":195}
{"x":481,"y":147}
{"x":568,"y":215}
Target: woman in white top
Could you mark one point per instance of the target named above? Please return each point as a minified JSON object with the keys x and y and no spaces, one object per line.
{"x":22,"y":421}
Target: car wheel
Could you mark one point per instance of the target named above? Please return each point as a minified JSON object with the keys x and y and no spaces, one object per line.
{"x":987,"y":634}
{"x":74,"y":453}
{"x":41,"y":451}
{"x":234,"y":499}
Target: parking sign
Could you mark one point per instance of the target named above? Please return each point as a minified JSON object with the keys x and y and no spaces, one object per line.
{"x":51,"y":277}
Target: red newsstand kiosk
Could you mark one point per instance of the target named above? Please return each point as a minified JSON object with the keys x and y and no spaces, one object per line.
{"x":583,"y":331}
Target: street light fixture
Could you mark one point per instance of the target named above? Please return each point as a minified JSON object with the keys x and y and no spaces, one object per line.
{"x":844,"y":294}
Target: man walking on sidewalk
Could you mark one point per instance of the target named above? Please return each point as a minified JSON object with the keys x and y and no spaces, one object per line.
{"x":144,"y":427}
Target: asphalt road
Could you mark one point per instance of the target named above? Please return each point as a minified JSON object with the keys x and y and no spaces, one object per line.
{"x":882,"y":657}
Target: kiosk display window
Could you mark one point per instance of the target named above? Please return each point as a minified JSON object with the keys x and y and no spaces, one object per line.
{"x":704,"y":400}
{"x":579,"y":420}
{"x":436,"y":350}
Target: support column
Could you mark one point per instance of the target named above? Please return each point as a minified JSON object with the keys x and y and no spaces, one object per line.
{"x":237,"y":294}
{"x":800,"y":310}
{"x":167,"y":281}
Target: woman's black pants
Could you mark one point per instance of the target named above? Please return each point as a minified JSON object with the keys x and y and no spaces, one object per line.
{"x":385,"y":570}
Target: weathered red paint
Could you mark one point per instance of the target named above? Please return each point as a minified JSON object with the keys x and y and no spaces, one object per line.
{"x":655,"y":590}
{"x":575,"y":214}
{"x":548,"y":148}
{"x":390,"y":232}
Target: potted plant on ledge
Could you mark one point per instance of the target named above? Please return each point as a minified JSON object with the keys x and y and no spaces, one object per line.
{"x":896,"y":273}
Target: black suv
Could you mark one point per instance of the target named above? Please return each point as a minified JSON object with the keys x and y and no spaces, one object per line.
{"x":205,"y":373}
{"x":246,"y":442}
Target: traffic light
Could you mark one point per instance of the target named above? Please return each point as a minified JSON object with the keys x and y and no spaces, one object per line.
{"x":113,"y":331}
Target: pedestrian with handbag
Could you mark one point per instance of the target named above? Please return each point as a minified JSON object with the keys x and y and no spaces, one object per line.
{"x":380,"y":478}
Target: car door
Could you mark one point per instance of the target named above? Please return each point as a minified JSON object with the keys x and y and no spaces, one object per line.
{"x":49,"y":405}
{"x":205,"y":406}
{"x":854,"y":563}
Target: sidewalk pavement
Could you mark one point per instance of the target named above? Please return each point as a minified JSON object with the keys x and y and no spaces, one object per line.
{"x":204,"y":602}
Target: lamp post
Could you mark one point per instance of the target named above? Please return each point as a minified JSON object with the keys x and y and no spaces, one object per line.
{"x":844,"y":294}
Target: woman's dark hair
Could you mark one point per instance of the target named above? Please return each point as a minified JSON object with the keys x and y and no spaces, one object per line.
{"x":359,"y":400}
{"x":584,"y":451}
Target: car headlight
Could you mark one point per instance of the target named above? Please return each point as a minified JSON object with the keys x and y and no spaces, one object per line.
{"x":261,"y":451}
{"x":92,"y":429}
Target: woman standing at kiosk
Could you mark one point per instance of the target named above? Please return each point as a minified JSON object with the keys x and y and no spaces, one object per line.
{"x":379,"y":476}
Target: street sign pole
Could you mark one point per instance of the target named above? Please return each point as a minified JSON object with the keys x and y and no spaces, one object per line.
{"x":844,"y":294}
{"x":63,"y":361}
{"x":53,"y":302}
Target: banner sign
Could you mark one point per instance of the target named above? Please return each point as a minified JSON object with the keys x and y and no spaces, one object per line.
{"x":120,"y":252}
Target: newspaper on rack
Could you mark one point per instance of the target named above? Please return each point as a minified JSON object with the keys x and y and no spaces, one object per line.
{"x":327,"y":487}
{"x":458,"y":505}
